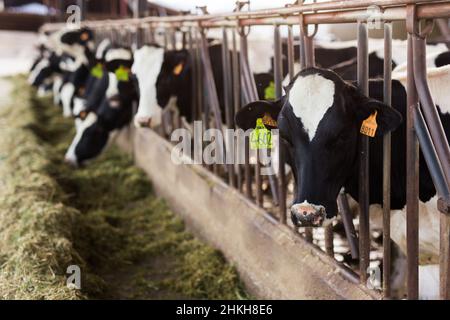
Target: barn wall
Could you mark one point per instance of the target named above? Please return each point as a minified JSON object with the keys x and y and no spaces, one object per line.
{"x":272,"y":261}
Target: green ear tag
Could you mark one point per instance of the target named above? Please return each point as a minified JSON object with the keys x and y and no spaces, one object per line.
{"x":269,"y":93}
{"x":261,"y":137}
{"x":97,"y":71}
{"x":123,"y":74}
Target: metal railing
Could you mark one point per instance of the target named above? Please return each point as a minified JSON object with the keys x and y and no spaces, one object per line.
{"x":423,"y":123}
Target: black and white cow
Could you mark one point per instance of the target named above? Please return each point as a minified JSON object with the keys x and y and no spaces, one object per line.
{"x":320,"y":120}
{"x":80,"y":44}
{"x":95,"y":86}
{"x":114,"y":112}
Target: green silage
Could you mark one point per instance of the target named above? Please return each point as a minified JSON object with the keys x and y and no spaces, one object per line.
{"x":102,"y":217}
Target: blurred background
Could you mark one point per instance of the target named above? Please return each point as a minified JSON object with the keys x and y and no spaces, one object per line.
{"x":21,"y":19}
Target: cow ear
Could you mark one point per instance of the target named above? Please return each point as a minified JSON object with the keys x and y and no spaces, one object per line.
{"x":268,"y":111}
{"x":387,"y":118}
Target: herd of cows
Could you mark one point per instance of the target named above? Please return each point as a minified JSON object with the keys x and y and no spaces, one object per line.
{"x":319,"y":118}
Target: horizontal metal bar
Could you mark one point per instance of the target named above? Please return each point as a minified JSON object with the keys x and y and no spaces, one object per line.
{"x":337,"y":12}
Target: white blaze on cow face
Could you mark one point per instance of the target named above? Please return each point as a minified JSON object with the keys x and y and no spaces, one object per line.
{"x":102,"y":48}
{"x":44,"y":63}
{"x":71,"y":156}
{"x":57,"y":84}
{"x":147,"y":66}
{"x":67,"y":93}
{"x":118,"y":54}
{"x":310,"y":97}
{"x":113,"y":86}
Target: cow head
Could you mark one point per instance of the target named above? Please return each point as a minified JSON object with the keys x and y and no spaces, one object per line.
{"x":161,"y":76}
{"x":320,"y":120}
{"x":114,"y":112}
{"x":44,"y":69}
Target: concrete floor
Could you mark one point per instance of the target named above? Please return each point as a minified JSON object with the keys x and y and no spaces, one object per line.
{"x":17,"y":50}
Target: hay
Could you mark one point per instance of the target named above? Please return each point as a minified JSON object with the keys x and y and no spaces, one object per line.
{"x":103,"y":218}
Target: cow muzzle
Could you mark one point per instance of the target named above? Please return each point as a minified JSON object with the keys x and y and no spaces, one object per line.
{"x":143,"y":122}
{"x":308,"y":215}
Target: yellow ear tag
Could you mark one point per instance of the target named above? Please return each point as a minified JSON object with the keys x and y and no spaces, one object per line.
{"x":369,"y":126}
{"x":269,"y":92}
{"x":123,"y":74}
{"x":269,"y":121}
{"x":261,"y":137}
{"x":84,"y":36}
{"x":97,"y":71}
{"x":178,"y":69}
{"x":82,"y":115}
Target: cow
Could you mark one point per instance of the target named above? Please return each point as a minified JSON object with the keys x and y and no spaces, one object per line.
{"x":95,"y":87}
{"x":80,"y":44}
{"x":320,"y":119}
{"x":114,"y":112}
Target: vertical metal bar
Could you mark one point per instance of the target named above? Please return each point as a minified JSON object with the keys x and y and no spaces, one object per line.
{"x":247,"y":98}
{"x":412,"y":182}
{"x":236,"y":96}
{"x":445,"y":30}
{"x":364,"y":227}
{"x":279,"y":92}
{"x":210,"y":84}
{"x":309,"y":52}
{"x":387,"y":150}
{"x":329,"y":237}
{"x":302,"y":43}
{"x":429,"y":108}
{"x":444,"y":257}
{"x":278,"y":65}
{"x":173,"y":38}
{"x":228,"y":98}
{"x":290,"y":45}
{"x":194,"y":73}
{"x":349,"y":227}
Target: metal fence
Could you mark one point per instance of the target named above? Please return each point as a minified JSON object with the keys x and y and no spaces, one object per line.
{"x":424,"y":127}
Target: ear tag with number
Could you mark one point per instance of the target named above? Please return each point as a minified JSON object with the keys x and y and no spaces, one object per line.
{"x":261,"y":137}
{"x":97,"y":71}
{"x":123,"y":74}
{"x":178,"y":69}
{"x":369,"y":126}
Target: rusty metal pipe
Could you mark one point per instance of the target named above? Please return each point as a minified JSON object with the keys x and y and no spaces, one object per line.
{"x":364,"y":227}
{"x":387,"y":156}
{"x":228,"y":97}
{"x":429,"y":109}
{"x":278,"y":75}
{"x":412,"y":182}
{"x":445,"y":30}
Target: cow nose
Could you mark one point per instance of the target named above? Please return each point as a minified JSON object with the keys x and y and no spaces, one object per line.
{"x":307,"y":215}
{"x":71,"y":161}
{"x":143,"y":122}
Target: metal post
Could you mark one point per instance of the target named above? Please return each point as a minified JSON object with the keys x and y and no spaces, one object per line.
{"x":364,"y":227}
{"x":228,"y":97}
{"x":329,"y":237}
{"x":387,"y":150}
{"x":236,"y":96}
{"x":412,"y":169}
{"x":278,"y":74}
{"x":349,"y":227}
{"x":247,"y":98}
